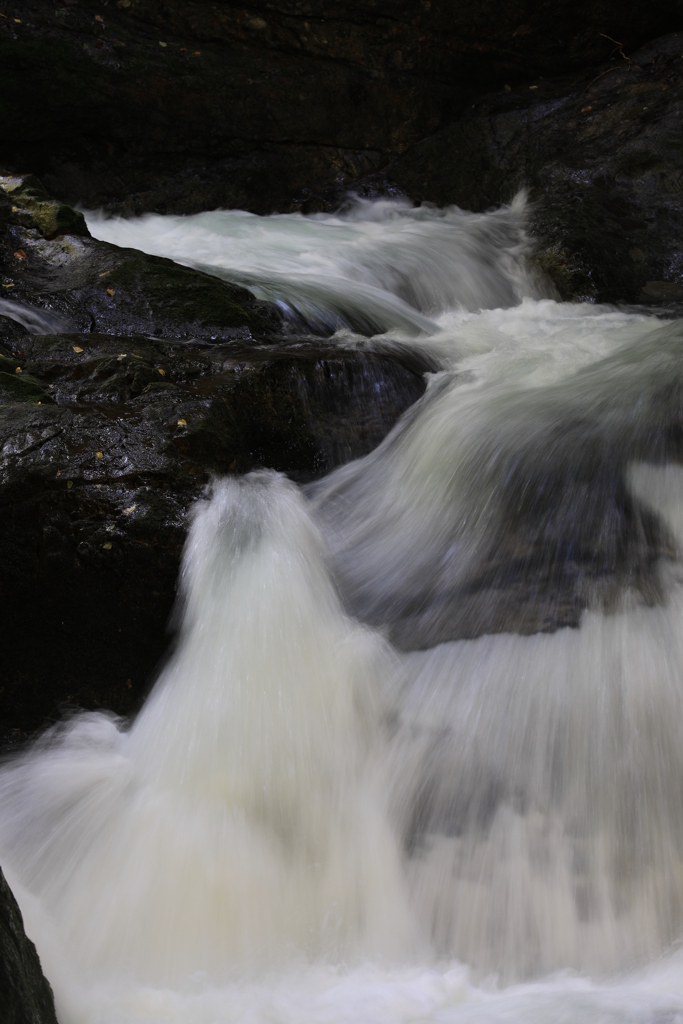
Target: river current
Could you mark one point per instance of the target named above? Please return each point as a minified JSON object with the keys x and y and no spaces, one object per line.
{"x":418,"y":752}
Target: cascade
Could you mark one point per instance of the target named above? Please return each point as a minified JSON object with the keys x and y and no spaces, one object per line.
{"x":417,"y":752}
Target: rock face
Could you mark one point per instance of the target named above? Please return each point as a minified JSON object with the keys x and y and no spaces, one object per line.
{"x":602,"y":158}
{"x":109,"y":430}
{"x":25,"y":994}
{"x":181,"y":106}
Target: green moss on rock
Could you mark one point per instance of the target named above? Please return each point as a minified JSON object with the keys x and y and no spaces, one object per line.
{"x":16,"y":387}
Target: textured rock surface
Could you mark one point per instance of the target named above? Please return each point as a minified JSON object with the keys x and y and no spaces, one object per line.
{"x":110,"y":431}
{"x":25,"y":994}
{"x":88,"y":285}
{"x":602,"y":157}
{"x":183,"y":105}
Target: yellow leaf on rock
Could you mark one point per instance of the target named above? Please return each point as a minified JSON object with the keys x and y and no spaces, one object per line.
{"x":20,"y":254}
{"x":131,"y":508}
{"x":98,"y":455}
{"x":163,"y":44}
{"x":105,"y":272}
{"x":77,"y":348}
{"x":107,"y":546}
{"x":69,"y":484}
{"x":111,"y":292}
{"x":18,"y":369}
{"x":98,"y":17}
{"x":182,"y":423}
{"x":162,"y":372}
{"x":8,"y":286}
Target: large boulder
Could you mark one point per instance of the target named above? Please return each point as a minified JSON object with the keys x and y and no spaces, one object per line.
{"x":182,"y":105}
{"x":25,"y":993}
{"x":126,"y":382}
{"x":601,"y":156}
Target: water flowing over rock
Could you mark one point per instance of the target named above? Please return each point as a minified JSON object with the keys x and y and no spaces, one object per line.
{"x":108,"y":436}
{"x":601,"y":156}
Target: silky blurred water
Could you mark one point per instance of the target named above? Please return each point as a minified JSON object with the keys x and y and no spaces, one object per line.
{"x":418,"y":753}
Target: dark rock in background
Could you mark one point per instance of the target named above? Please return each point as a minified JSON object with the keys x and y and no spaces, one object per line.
{"x":602,"y":156}
{"x":25,"y":993}
{"x":183,"y":105}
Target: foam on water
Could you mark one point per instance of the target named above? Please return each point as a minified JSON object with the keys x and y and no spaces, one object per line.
{"x":378,"y":265}
{"x":308,"y":822}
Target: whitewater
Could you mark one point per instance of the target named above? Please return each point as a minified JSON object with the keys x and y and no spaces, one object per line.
{"x":417,"y":753}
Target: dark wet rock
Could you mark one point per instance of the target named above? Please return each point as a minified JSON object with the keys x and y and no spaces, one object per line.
{"x":183,"y":105}
{"x":94,"y":286}
{"x":25,"y":993}
{"x":602,"y":158}
{"x":95,"y":488}
{"x":159,"y":377}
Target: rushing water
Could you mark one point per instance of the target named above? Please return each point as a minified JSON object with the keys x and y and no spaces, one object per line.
{"x":418,"y":754}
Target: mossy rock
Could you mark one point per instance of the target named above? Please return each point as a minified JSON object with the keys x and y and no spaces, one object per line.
{"x":32,"y":207}
{"x":16,"y":387}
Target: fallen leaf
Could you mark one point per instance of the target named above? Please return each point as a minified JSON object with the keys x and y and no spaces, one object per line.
{"x":59,"y":472}
{"x":8,"y":286}
{"x":98,"y":17}
{"x":98,"y":455}
{"x":182,"y":423}
{"x":111,"y":292}
{"x":162,"y":372}
{"x":131,"y":508}
{"x":122,"y":356}
{"x":77,"y":348}
{"x":105,"y":272}
{"x":69,"y":484}
{"x":163,"y":44}
{"x":18,"y":369}
{"x":533,"y":87}
{"x":183,"y":49}
{"x":585,"y":109}
{"x":129,"y":683}
{"x":107,"y":546}
{"x":196,"y":53}
{"x":123,"y":3}
{"x":20,"y":254}
{"x":507,"y":88}
{"x":18,"y":21}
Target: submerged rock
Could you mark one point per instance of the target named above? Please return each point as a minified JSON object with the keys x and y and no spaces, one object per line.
{"x":25,"y":993}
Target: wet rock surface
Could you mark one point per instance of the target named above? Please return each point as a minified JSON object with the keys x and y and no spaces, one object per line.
{"x":182,"y":106}
{"x":111,"y":429}
{"x":25,"y":993}
{"x":49,"y":260}
{"x":601,"y":155}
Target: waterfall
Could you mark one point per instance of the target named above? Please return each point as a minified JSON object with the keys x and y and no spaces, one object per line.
{"x":417,"y":753}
